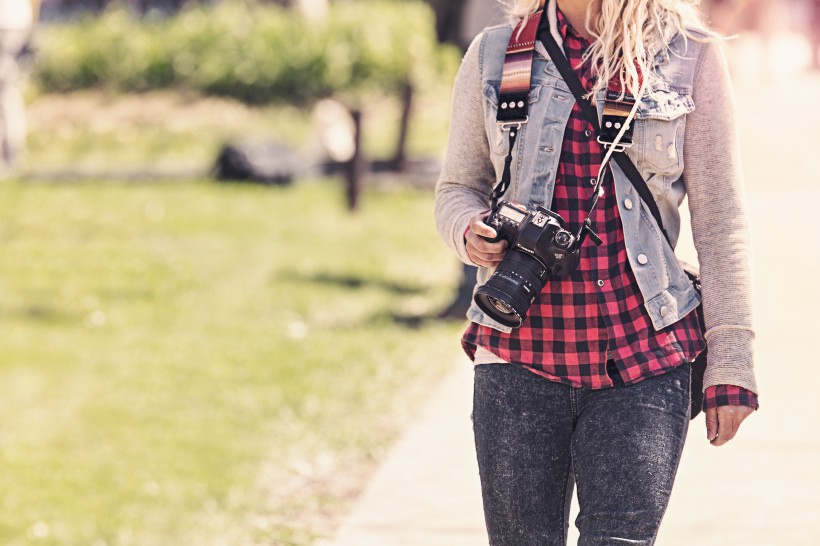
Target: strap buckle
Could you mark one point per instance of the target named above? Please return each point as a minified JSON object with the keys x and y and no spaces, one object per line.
{"x":619,"y":147}
{"x":516,"y":124}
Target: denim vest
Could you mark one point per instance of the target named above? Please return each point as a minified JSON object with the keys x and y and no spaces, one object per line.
{"x":657,"y":153}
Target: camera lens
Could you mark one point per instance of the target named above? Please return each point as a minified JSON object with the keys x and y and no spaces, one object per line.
{"x":512,"y":288}
{"x":563,"y":239}
{"x":501,"y":306}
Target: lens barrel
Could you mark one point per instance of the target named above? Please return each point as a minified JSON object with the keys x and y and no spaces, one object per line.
{"x":512,"y":288}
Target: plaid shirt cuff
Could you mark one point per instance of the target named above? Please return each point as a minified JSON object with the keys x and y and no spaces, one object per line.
{"x":729,"y":395}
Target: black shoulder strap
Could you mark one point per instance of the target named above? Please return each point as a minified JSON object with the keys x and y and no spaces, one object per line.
{"x":589,"y":111}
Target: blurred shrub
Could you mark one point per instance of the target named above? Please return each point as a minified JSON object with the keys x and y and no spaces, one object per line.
{"x":255,"y":53}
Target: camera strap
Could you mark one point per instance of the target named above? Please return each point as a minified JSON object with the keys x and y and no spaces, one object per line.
{"x":514,"y":96}
{"x":614,"y":150}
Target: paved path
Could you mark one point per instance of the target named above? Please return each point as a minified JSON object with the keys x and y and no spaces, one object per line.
{"x":762,"y":489}
{"x":426,"y":492}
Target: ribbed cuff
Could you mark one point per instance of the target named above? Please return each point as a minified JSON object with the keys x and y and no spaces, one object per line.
{"x":730,"y":360}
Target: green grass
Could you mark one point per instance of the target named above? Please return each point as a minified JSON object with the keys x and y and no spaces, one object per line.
{"x":95,"y":131}
{"x":189,"y":363}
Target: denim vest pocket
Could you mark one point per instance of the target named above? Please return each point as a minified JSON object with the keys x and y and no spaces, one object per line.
{"x":659,"y":127}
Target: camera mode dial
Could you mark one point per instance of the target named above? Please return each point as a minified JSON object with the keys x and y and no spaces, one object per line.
{"x":563,"y":239}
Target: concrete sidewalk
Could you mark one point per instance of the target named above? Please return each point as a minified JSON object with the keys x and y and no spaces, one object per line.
{"x":761,"y":489}
{"x":427,"y":490}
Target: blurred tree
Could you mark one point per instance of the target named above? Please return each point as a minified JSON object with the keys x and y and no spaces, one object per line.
{"x":448,"y":19}
{"x":459,"y":21}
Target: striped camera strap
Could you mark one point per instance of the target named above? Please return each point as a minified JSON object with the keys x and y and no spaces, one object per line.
{"x":514,"y":97}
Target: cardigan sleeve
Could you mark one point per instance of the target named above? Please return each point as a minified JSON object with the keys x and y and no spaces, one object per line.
{"x":714,"y":184}
{"x":467,"y":177}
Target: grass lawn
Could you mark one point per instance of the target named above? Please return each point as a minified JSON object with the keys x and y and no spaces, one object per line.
{"x":187,"y":363}
{"x":95,"y":131}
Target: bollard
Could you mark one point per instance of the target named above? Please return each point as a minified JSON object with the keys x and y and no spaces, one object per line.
{"x":355,"y":167}
{"x":399,"y":161}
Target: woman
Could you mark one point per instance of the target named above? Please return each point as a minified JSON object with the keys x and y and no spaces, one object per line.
{"x":593,"y":388}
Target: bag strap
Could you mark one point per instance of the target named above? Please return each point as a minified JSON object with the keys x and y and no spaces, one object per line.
{"x":589,"y":111}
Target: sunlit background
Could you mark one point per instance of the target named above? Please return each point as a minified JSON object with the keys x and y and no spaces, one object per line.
{"x":222,"y":297}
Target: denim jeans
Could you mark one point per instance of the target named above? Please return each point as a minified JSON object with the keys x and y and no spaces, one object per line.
{"x":536,"y":439}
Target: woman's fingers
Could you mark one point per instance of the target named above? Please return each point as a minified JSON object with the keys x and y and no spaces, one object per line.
{"x":481,"y":251}
{"x":711,"y":424}
{"x":484,"y":253}
{"x":724,"y":423}
{"x":478,"y":227}
{"x":483,"y":259}
{"x":481,"y":244}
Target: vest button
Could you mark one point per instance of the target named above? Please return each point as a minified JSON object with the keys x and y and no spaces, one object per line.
{"x":628,"y":203}
{"x":664,"y":310}
{"x":642,"y":259}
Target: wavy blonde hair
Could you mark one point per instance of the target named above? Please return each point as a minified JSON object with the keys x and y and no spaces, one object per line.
{"x":625,"y":31}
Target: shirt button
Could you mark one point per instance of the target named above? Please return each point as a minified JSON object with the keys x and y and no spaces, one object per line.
{"x":664,"y":310}
{"x":588,"y":133}
{"x":642,"y":259}
{"x":592,"y":181}
{"x":628,"y":203}
{"x":601,"y":283}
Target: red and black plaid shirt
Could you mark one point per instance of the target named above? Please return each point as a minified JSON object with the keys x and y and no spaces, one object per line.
{"x":597,"y":313}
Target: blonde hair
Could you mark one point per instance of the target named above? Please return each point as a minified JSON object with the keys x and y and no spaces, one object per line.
{"x":625,"y":32}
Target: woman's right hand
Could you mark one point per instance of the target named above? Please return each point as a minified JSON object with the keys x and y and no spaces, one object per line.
{"x":481,"y":251}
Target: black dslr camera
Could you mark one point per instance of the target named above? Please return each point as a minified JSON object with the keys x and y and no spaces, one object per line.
{"x":538,"y":246}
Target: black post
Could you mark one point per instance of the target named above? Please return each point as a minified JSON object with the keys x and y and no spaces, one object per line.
{"x":355,"y":167}
{"x":399,"y":161}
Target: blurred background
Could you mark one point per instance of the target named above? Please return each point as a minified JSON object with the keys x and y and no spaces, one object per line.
{"x":221,"y":293}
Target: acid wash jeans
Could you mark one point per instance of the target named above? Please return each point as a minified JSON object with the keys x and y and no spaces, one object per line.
{"x":535,"y":439}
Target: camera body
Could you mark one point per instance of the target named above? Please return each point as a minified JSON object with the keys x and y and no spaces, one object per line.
{"x":539,"y":246}
{"x":540,"y":233}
